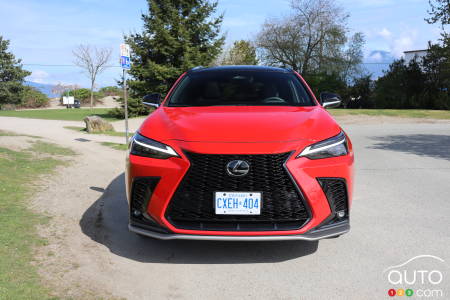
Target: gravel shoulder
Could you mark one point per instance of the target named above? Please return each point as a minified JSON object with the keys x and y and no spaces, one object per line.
{"x":95,"y":256}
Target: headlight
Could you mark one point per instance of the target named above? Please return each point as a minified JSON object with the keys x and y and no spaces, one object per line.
{"x":142,"y":146}
{"x":332,"y":147}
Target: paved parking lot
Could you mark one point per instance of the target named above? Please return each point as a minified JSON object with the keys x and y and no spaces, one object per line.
{"x":400,"y":210}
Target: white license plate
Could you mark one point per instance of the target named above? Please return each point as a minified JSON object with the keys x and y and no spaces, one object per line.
{"x":238,"y":203}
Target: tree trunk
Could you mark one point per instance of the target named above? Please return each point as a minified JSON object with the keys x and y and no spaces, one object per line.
{"x":92,"y":94}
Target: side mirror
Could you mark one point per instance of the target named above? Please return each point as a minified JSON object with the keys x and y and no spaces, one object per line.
{"x":330,"y":100}
{"x":152,"y":100}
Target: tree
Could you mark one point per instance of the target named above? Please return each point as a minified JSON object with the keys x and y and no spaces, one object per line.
{"x":360,"y":93}
{"x":440,"y":12}
{"x":311,"y":40}
{"x":437,"y":61}
{"x":93,"y":61}
{"x":242,"y":53}
{"x":177,"y":35}
{"x":401,"y":87}
{"x":11,"y":76}
{"x":32,"y":98}
{"x":111,"y":91}
{"x":436,"y":65}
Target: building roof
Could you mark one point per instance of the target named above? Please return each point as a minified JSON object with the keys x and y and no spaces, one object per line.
{"x":412,"y":51}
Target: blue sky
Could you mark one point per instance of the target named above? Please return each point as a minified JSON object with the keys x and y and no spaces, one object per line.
{"x":45,"y":31}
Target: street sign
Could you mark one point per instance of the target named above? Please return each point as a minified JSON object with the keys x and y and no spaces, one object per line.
{"x":125,"y":50}
{"x":125,"y":62}
{"x":126,"y":65}
{"x":125,"y":56}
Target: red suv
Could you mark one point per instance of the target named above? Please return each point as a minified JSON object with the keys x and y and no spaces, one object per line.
{"x":240,"y":153}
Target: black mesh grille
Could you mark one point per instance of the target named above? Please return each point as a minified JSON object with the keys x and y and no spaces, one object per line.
{"x":141,"y":192}
{"x":192,"y":206}
{"x":336,"y":191}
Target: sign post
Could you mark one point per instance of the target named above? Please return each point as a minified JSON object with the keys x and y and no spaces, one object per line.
{"x":126,"y":65}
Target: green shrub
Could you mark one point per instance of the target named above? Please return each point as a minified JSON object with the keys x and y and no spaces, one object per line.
{"x":33,"y":98}
{"x":135,"y":109}
{"x":111,"y":91}
{"x":84,"y":95}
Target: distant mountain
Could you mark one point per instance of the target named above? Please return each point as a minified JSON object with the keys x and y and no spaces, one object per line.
{"x":42,"y":87}
{"x":378,"y":61}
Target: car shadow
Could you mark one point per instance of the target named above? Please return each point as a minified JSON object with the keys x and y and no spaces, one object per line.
{"x":431,"y":145}
{"x":106,"y":222}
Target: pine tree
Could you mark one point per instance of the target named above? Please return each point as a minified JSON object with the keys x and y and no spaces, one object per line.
{"x":177,"y":35}
{"x":11,"y":75}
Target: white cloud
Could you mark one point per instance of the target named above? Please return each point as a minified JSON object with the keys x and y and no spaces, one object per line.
{"x":404,"y":42}
{"x":38,"y":76}
{"x":385,"y":33}
{"x":399,"y":41}
{"x":375,"y":57}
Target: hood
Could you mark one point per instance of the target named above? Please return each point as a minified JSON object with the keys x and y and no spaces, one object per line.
{"x":245,"y":124}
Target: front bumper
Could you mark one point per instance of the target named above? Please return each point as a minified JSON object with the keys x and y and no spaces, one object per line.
{"x":314,"y":235}
{"x":304,"y":172}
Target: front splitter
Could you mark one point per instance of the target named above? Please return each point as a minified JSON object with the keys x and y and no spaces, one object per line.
{"x":328,"y":232}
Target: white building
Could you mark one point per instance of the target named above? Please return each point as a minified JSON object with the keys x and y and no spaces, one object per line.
{"x":416,"y":55}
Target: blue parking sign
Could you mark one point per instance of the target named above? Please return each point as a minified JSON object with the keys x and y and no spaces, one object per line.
{"x":125,"y":62}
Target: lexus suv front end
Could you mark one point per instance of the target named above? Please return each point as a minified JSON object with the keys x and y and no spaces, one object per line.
{"x":240,"y":153}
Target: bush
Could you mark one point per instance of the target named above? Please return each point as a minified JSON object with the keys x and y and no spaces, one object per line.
{"x":323,"y":82}
{"x":135,"y":109}
{"x":360,"y":93}
{"x":33,"y":98}
{"x":84,"y":95}
{"x":111,"y":91}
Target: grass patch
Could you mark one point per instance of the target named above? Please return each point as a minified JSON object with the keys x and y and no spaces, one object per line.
{"x":52,"y":149}
{"x":59,"y":114}
{"x":18,"y":171}
{"x":116,"y":146}
{"x":404,"y":113}
{"x":110,"y":133}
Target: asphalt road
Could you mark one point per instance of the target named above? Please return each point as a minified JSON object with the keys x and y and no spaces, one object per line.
{"x":401,"y":209}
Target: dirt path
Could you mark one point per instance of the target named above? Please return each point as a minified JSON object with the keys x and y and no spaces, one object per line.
{"x":67,"y":197}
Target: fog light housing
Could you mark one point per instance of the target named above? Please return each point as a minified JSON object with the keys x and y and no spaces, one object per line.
{"x":141,"y":193}
{"x":340,"y":214}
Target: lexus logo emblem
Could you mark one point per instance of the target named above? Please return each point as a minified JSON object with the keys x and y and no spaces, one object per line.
{"x":238,"y":168}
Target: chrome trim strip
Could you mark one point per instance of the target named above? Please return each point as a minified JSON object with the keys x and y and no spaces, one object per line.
{"x":332,"y":104}
{"x":148,"y":104}
{"x":309,"y":236}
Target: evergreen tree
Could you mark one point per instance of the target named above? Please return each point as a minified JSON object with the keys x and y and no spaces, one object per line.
{"x":177,"y":35}
{"x":436,"y":65}
{"x":401,"y":87}
{"x":11,"y":75}
{"x":440,"y":12}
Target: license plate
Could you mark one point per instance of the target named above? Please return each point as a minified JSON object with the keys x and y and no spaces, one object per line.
{"x":238,"y":203}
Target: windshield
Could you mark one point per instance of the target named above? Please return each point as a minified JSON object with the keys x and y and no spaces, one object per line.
{"x":240,"y":87}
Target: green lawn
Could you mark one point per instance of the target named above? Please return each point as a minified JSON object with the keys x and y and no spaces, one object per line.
{"x":19,"y":171}
{"x":59,"y":114}
{"x":110,"y":133}
{"x":405,"y":113}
